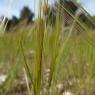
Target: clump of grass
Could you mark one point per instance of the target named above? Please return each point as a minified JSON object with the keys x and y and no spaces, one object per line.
{"x":40,"y":52}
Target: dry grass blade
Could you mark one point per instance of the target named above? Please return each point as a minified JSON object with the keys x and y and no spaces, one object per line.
{"x":39,"y":56}
{"x":25,"y":64}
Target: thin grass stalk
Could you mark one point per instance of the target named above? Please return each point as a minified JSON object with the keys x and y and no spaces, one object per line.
{"x":82,"y":9}
{"x":54,"y":52}
{"x":39,"y":56}
{"x":27,"y":82}
{"x":60,"y":53}
{"x":25,"y":64}
{"x":3,"y":25}
{"x":81,"y":25}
